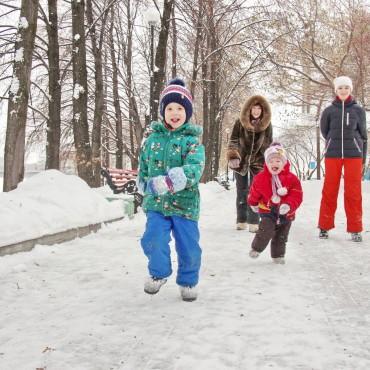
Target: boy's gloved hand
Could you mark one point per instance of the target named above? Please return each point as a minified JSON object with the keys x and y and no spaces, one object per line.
{"x":254,"y":209}
{"x":140,"y":185}
{"x":234,"y":163}
{"x":174,"y":181}
{"x":284,"y":209}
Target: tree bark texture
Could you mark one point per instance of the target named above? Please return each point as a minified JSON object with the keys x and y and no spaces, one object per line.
{"x":18,"y":96}
{"x":99,"y":92}
{"x":54,"y":121}
{"x":117,"y":107}
{"x":161,"y":56}
{"x":80,"y":122}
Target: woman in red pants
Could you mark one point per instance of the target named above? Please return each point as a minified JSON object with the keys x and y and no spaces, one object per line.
{"x":343,"y":125}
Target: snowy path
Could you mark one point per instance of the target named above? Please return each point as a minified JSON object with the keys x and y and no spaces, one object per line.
{"x":81,"y":306}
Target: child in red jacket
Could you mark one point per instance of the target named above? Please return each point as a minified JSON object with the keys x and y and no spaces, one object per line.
{"x":275,"y":194}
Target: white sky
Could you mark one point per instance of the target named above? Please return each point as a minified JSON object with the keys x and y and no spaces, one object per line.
{"x":81,"y":305}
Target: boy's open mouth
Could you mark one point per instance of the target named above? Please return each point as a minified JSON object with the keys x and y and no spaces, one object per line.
{"x":175,"y":120}
{"x":275,"y":168}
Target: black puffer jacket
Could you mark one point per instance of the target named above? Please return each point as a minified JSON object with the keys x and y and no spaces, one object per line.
{"x":343,"y":125}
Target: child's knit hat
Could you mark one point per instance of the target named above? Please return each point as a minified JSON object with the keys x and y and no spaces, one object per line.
{"x":176,"y":92}
{"x":275,"y":150}
{"x":342,"y":81}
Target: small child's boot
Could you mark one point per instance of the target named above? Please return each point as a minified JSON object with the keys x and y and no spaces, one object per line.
{"x":253,"y":253}
{"x":188,"y":293}
{"x":241,"y":226}
{"x":253,"y":228}
{"x":153,"y":284}
{"x":279,"y":260}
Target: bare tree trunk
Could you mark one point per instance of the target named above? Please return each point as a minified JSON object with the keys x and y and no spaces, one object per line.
{"x":174,"y":44}
{"x":105,"y":131}
{"x":198,"y":40}
{"x":80,"y":123}
{"x":206,"y":121}
{"x":210,"y":120}
{"x":131,"y":99}
{"x":55,"y":91}
{"x":18,"y":96}
{"x":161,"y":56}
{"x":99,"y":93}
{"x":117,"y":107}
{"x":217,"y":133}
{"x":212,"y":106}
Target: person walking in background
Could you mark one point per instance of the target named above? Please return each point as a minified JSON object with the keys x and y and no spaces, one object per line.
{"x":275,"y":194}
{"x":250,"y":136}
{"x":343,"y":126}
{"x":170,"y":166}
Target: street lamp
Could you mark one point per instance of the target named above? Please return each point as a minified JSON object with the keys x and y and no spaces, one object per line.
{"x":152,"y":18}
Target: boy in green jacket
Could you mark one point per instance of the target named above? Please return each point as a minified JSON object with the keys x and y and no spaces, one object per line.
{"x":171,"y":165}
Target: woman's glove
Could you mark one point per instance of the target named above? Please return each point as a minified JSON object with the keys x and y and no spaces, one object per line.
{"x":284,"y":209}
{"x":173,"y":182}
{"x":234,"y":163}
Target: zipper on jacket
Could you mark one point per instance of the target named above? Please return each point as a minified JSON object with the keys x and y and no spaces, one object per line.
{"x":327,"y":146}
{"x":342,"y":129}
{"x":356,"y":143}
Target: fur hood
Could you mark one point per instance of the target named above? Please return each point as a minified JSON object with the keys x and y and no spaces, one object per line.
{"x":245,"y":113}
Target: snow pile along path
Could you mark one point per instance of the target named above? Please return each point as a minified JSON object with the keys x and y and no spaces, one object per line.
{"x":50,"y":202}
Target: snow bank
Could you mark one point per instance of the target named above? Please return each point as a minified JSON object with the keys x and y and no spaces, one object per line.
{"x":51,"y":202}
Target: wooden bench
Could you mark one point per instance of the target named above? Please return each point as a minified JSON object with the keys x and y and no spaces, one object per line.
{"x":123,"y":181}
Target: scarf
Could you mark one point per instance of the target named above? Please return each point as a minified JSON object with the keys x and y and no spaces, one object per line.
{"x":278,"y":190}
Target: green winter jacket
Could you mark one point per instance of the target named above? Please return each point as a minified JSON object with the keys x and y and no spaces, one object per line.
{"x":165,"y":149}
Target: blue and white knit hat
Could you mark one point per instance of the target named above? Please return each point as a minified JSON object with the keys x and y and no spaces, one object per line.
{"x":176,"y":92}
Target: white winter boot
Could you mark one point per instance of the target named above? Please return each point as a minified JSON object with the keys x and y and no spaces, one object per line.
{"x":188,"y":293}
{"x":253,"y":228}
{"x":279,"y":260}
{"x":253,"y":253}
{"x":241,"y":226}
{"x":153,"y":284}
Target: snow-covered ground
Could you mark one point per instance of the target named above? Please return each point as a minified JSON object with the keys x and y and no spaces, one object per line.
{"x":81,"y":305}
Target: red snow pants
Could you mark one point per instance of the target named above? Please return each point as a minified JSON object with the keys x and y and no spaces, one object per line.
{"x":352,"y":193}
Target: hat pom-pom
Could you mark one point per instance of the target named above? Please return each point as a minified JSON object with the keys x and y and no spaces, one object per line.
{"x":275,"y":199}
{"x":177,"y":81}
{"x":282,"y":191}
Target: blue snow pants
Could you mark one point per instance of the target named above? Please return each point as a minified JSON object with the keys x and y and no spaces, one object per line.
{"x":155,"y":244}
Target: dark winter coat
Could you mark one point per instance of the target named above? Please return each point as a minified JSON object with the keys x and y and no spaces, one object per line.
{"x":261,"y":192}
{"x":343,"y":125}
{"x":165,"y":149}
{"x":248,"y":142}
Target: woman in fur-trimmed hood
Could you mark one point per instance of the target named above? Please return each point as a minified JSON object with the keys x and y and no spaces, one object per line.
{"x":251,"y":136}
